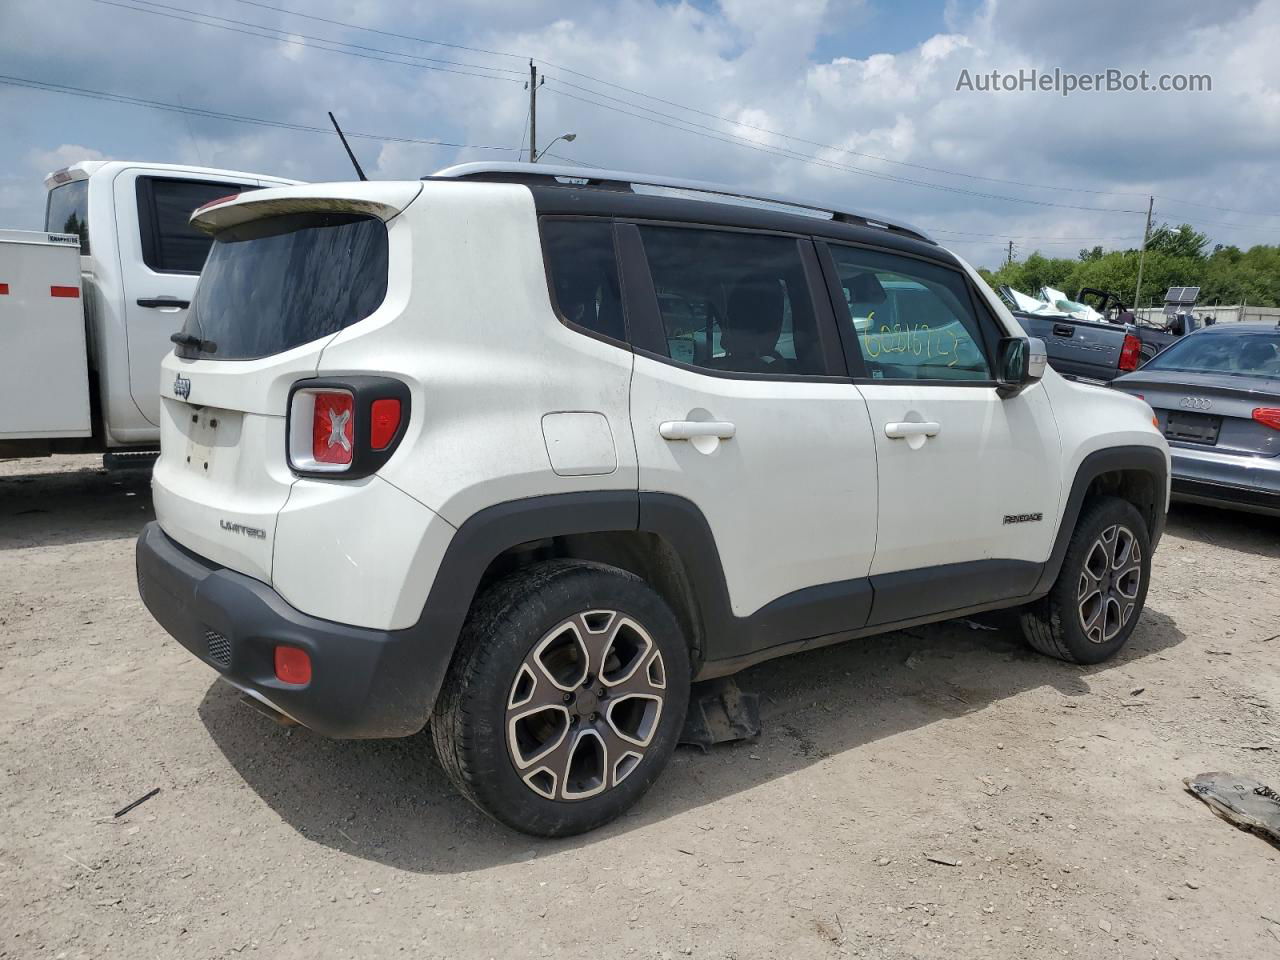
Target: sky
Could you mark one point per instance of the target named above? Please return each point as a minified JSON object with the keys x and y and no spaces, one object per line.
{"x":852,"y":103}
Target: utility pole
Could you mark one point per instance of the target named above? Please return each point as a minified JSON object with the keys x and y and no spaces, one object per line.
{"x":1008,"y":260}
{"x":1137,"y":291}
{"x":533,"y":113}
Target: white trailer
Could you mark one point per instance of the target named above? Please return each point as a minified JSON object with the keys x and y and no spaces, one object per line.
{"x":88,"y":305}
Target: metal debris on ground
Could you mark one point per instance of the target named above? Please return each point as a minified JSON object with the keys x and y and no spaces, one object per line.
{"x":1245,"y":802}
{"x":141,"y":800}
{"x":719,"y":712}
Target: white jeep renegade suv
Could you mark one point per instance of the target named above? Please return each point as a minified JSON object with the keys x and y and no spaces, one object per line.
{"x":520,"y":452}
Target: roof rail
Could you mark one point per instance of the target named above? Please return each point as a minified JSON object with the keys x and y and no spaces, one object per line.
{"x":622,"y":180}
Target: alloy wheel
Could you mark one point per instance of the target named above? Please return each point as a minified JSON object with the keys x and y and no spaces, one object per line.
{"x":585,"y":705}
{"x":1109,"y":583}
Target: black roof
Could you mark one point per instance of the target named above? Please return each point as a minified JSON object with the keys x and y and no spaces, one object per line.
{"x":572,"y":200}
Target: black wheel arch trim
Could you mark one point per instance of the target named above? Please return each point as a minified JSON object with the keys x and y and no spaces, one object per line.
{"x":1144,"y":459}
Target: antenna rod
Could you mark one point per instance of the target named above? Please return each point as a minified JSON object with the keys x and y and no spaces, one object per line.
{"x":354,"y":162}
{"x":533,"y":113}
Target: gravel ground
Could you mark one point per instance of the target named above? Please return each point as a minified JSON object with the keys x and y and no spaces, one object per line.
{"x":1052,"y":792}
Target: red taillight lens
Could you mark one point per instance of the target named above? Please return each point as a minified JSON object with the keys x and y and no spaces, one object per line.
{"x":333,"y":428}
{"x":384,"y":422}
{"x":1130,"y":353}
{"x":293,"y":665}
{"x":1268,"y":416}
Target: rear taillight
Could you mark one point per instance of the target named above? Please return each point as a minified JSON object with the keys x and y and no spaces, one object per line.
{"x":332,"y":430}
{"x":322,"y":431}
{"x":345,"y":428}
{"x":1130,"y":353}
{"x":1267,"y":416}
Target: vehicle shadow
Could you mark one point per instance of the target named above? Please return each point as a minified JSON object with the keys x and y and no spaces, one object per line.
{"x":62,"y":507}
{"x":389,"y":801}
{"x":1231,"y":529}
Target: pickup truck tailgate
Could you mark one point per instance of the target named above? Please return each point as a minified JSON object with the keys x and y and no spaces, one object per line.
{"x":1078,"y":348}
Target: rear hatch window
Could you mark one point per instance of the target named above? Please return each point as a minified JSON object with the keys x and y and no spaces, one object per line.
{"x":276,"y":283}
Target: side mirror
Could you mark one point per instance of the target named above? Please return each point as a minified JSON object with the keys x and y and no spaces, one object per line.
{"x":1020,"y":361}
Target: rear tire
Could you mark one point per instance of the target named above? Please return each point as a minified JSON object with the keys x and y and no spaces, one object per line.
{"x":565,"y":697}
{"x":1094,"y":605}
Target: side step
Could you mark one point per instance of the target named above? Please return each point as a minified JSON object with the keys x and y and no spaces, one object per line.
{"x":129,"y":459}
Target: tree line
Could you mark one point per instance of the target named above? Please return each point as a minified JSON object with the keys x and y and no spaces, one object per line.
{"x":1176,"y":257}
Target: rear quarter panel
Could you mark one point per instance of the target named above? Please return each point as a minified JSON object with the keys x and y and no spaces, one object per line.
{"x":485,"y":356}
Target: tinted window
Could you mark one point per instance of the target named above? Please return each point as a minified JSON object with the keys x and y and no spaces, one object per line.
{"x":67,"y":211}
{"x":275,"y":283}
{"x":1243,"y":354}
{"x":584,"y":274}
{"x":734,"y":301}
{"x":912,"y":320}
{"x":170,"y":244}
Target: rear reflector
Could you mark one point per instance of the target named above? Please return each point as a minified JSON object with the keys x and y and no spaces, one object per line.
{"x":293,"y":665}
{"x":332,"y":428}
{"x":73,"y":292}
{"x":1130,"y":353}
{"x":4,"y":289}
{"x":1268,"y":416}
{"x":385,"y":421}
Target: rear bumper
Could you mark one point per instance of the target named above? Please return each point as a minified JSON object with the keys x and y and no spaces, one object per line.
{"x":1241,"y":482}
{"x":364,"y":682}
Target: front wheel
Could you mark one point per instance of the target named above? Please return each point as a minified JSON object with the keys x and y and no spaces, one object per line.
{"x":565,"y":698}
{"x":1098,"y":597}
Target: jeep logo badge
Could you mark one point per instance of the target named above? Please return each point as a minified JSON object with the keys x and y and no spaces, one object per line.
{"x":182,"y":387}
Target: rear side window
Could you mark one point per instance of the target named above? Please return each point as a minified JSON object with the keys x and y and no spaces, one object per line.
{"x":583,"y":271}
{"x":732,"y":301}
{"x":170,"y":244}
{"x":911,"y":320}
{"x":276,"y":283}
{"x":67,"y":211}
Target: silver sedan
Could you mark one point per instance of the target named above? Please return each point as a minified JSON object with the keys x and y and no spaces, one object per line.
{"x":1216,"y":395}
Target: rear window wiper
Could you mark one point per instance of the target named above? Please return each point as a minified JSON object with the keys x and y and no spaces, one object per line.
{"x":191,"y":340}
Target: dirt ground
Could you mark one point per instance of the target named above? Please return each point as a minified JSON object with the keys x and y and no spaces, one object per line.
{"x":1056,"y":791}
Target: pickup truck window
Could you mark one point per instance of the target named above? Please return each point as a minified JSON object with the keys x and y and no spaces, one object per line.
{"x":67,"y":211}
{"x":169,"y":243}
{"x":911,"y":320}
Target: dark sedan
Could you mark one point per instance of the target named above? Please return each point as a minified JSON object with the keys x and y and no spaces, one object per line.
{"x":1216,"y":394}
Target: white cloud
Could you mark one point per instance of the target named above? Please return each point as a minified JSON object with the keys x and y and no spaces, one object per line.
{"x":749,"y":60}
{"x":46,"y":161}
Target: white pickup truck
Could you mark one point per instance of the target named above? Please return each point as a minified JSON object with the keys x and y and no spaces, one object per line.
{"x":87,"y":306}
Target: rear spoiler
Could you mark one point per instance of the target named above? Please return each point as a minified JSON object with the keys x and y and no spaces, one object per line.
{"x":380,"y":199}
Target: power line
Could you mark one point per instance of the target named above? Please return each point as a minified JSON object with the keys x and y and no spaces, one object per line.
{"x":343,"y":43}
{"x":715,"y":116}
{"x":673,"y":103}
{"x":220,"y":115}
{"x":281,"y":36}
{"x":385,"y":33}
{"x":818,"y":161}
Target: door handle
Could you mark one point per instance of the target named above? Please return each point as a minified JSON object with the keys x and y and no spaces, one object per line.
{"x":901,"y":431}
{"x":1063,"y":330}
{"x":692,"y":429}
{"x":164,"y":302}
